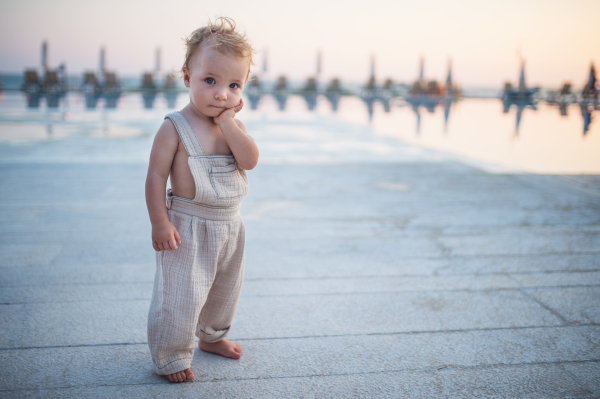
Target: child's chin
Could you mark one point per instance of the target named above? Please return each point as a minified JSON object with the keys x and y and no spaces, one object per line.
{"x":212,"y":112}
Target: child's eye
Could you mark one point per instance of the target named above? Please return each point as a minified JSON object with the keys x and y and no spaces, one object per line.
{"x":210,"y":81}
{"x":234,"y":85}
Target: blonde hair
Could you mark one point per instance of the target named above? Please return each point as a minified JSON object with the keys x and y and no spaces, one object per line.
{"x":221,"y":36}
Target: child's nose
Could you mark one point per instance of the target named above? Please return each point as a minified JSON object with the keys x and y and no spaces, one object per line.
{"x":221,"y":94}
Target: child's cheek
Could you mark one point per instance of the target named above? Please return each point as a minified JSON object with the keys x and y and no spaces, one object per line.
{"x":233,"y":101}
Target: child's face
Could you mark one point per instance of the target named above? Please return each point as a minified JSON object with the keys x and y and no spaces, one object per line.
{"x":216,"y":81}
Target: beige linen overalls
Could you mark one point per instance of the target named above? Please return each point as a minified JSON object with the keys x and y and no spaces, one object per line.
{"x":197,"y":286}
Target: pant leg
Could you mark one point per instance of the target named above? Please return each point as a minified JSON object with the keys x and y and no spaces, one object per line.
{"x":219,"y":309}
{"x":182,"y":283}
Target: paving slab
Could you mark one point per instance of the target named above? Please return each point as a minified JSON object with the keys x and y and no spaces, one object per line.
{"x":92,"y":292}
{"x":315,"y":356}
{"x":114,"y":291}
{"x":370,"y":313}
{"x":82,"y":272}
{"x":33,"y":325}
{"x":138,"y":288}
{"x":575,"y":304}
{"x":552,"y":262}
{"x":86,"y":323}
{"x":587,"y":374}
{"x":265,"y":264}
{"x":528,"y":381}
{"x":555,"y":279}
{"x":28,"y":254}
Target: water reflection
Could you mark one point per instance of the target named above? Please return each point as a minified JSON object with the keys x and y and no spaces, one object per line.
{"x":107,"y":87}
{"x":170,"y":90}
{"x":422,"y":102}
{"x":587,"y":100}
{"x":422,"y":94}
{"x":281,"y":93}
{"x":472,"y":127}
{"x":372,"y":92}
{"x":51,"y":86}
{"x":385,"y":95}
{"x":587,"y":108}
{"x":562,"y":98}
{"x":447,"y":106}
{"x":253,"y":92}
{"x":586,"y":113}
{"x":430,"y":94}
{"x":370,"y":97}
{"x":309,"y":93}
{"x":149,"y":90}
{"x":521,"y":97}
{"x":333,"y":93}
{"x":520,"y":106}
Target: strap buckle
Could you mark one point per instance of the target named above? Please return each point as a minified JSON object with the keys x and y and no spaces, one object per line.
{"x":169,"y":199}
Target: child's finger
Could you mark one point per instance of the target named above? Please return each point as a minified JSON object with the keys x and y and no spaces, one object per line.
{"x":155,"y":246}
{"x":177,"y":238}
{"x":172,"y":243}
{"x":239,"y":107}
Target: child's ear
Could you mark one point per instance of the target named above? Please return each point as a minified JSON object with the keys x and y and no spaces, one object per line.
{"x":186,"y":77}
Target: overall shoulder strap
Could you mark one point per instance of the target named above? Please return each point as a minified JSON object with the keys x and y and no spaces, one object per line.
{"x":189,"y":139}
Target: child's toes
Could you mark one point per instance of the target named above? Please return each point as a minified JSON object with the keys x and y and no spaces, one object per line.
{"x":189,"y":375}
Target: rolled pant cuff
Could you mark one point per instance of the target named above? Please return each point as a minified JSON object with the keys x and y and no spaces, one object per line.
{"x":173,"y":367}
{"x":217,"y":336}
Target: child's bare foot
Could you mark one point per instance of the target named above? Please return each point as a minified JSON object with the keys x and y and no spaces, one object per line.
{"x":223,"y":347}
{"x":184,"y":375}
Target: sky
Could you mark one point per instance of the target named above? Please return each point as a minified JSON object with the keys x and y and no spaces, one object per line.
{"x":484,"y":39}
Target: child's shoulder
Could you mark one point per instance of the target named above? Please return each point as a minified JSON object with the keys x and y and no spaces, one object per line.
{"x":167,"y":128}
{"x":167,"y":136}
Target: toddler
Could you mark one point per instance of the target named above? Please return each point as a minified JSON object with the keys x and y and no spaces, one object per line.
{"x":199,"y":234}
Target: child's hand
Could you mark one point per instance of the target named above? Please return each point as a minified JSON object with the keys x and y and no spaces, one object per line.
{"x":228,"y":113}
{"x":165,"y":237}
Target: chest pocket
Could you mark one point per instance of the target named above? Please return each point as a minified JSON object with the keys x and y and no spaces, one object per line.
{"x":226,"y":181}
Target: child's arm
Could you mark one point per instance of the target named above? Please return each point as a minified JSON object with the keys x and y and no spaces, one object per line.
{"x":164,"y":234}
{"x":244,"y":149}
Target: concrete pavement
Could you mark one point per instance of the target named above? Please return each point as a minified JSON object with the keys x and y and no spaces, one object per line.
{"x":364,"y":278}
